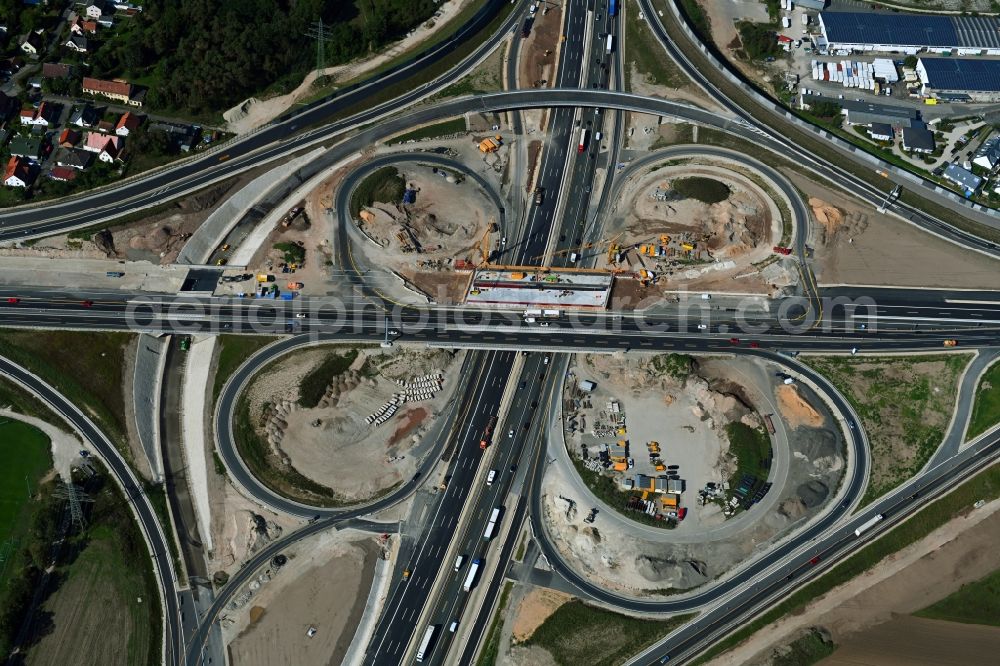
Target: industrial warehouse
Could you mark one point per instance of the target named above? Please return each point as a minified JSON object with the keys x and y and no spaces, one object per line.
{"x":960,"y":79}
{"x":850,"y":32}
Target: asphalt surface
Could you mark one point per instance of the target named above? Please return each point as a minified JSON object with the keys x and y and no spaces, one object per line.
{"x":435,"y":531}
{"x":819,"y":546}
{"x":164,"y":568}
{"x":275,"y":140}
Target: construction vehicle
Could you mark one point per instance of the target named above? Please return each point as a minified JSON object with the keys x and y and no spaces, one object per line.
{"x":487,"y":433}
{"x":264,"y":277}
{"x":687,"y":247}
{"x":660,"y":467}
{"x":294,"y":285}
{"x":951,"y":343}
{"x":490,"y":144}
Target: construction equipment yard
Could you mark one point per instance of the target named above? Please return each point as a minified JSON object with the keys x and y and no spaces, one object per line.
{"x":659,"y":427}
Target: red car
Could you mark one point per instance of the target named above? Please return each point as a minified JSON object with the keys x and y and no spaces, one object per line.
{"x":87,"y":304}
{"x":681,"y":512}
{"x":13,"y":299}
{"x":814,"y":560}
{"x":754,"y":345}
{"x":734,"y":341}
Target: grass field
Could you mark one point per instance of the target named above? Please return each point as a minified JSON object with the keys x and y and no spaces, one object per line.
{"x":805,"y":650}
{"x":385,"y":185}
{"x":647,"y":54}
{"x":491,"y":646}
{"x":105,"y":603}
{"x":905,"y":404}
{"x":986,"y":408}
{"x":233,"y":350}
{"x":580,"y":634}
{"x":446,"y":128}
{"x":25,"y":452}
{"x":87,"y":368}
{"x":974,"y":603}
{"x":751,"y":448}
{"x":13,"y":397}
{"x":985,"y":485}
{"x":314,"y":384}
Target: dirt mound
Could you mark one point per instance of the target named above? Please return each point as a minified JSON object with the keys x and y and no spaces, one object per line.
{"x":792,"y":508}
{"x":680,"y":574}
{"x":158,"y":239}
{"x":812,"y":493}
{"x":795,"y":409}
{"x":834,"y":223}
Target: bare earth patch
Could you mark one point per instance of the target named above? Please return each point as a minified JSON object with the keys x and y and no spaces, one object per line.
{"x":863,"y":615}
{"x":796,"y":409}
{"x":535,"y":608}
{"x":905,"y":405}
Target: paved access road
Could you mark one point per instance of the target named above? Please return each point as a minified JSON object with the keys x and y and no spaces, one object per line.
{"x":163,"y":566}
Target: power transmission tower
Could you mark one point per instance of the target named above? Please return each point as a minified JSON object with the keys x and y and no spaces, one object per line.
{"x":75,"y":496}
{"x":317,"y":32}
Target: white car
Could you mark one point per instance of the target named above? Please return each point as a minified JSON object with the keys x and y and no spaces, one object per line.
{"x":702,"y":327}
{"x":301,"y":315}
{"x":492,"y":476}
{"x":510,"y":433}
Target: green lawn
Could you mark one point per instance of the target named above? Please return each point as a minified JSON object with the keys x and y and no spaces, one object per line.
{"x":24,"y":450}
{"x":986,"y":409}
{"x":974,"y":603}
{"x":87,"y":368}
{"x":233,"y":350}
{"x":580,"y":634}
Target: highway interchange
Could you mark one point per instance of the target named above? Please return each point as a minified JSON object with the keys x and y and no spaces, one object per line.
{"x":907,"y":320}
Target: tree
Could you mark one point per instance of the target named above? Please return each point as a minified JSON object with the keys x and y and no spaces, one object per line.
{"x":910,"y":61}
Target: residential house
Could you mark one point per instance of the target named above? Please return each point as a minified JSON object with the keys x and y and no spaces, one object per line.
{"x":96,"y":9}
{"x":918,"y":139}
{"x":108,"y":148}
{"x":127,"y":124}
{"x":121,"y":91}
{"x":52,"y":70}
{"x":69,"y":138}
{"x":880,"y":132}
{"x":105,"y":127}
{"x":81,"y":27}
{"x":25,"y":146}
{"x":74,"y":158}
{"x":63,"y":174}
{"x":182,"y":137}
{"x":19,"y":173}
{"x":85,"y":116}
{"x":988,"y":154}
{"x":968,"y":181}
{"x":42,"y":116}
{"x":32,"y":43}
{"x":77,"y":43}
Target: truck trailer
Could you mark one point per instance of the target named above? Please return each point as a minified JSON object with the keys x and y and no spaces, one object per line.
{"x":868,"y":524}
{"x":470,"y":578}
{"x":583,"y":141}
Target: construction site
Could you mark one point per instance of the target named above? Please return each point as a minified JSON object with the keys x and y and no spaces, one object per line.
{"x":355,"y":428}
{"x":643,"y":500}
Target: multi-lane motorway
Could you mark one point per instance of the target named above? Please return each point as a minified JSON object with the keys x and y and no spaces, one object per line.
{"x":897,"y":320}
